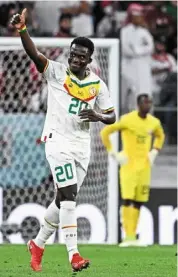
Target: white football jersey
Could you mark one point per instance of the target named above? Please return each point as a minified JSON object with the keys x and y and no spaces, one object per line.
{"x":67,"y":96}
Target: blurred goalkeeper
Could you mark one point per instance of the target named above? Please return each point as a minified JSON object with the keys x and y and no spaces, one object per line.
{"x":137,"y":129}
{"x":72,"y":93}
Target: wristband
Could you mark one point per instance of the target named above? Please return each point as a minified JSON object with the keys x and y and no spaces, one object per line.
{"x":23,"y":29}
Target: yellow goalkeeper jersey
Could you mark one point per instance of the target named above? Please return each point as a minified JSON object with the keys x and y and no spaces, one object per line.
{"x":136,"y":135}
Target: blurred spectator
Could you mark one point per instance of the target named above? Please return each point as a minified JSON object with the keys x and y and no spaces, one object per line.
{"x":6,"y":12}
{"x":161,"y":19}
{"x":11,"y":31}
{"x":108,"y":22}
{"x":82,"y":22}
{"x":98,"y":13}
{"x":171,"y":8}
{"x":162,"y":64}
{"x":112,"y":21}
{"x":171,"y":41}
{"x":168,"y":100}
{"x":159,"y":22}
{"x":65,"y":26}
{"x":79,"y":10}
{"x":137,"y":48}
{"x":5,"y":7}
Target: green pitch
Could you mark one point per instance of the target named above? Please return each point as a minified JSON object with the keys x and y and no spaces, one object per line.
{"x":106,"y":261}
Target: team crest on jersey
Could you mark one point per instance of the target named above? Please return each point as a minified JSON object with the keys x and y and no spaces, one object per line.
{"x":92,"y":91}
{"x":70,"y":85}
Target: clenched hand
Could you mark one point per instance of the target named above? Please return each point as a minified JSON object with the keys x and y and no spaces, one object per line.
{"x":18,"y":20}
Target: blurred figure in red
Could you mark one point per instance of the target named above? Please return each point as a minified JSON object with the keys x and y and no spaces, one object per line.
{"x":159,"y":22}
{"x":65,"y":26}
{"x":162,"y":64}
{"x":137,"y":47}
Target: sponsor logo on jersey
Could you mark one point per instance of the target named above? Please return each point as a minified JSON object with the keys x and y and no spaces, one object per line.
{"x":80,"y":92}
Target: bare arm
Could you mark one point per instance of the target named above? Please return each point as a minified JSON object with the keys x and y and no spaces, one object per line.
{"x":89,"y":115}
{"x":19,"y":22}
{"x":107,"y":118}
{"x":156,"y":71}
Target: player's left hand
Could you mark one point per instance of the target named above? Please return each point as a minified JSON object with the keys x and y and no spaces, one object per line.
{"x":152,"y":156}
{"x":89,"y":115}
{"x":120,"y":157}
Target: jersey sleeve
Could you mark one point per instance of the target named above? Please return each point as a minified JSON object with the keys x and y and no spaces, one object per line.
{"x":103,"y":100}
{"x":53,"y":70}
{"x":159,"y":136}
{"x":109,"y":129}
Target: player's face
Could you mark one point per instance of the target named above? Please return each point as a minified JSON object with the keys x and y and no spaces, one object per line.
{"x":145,"y":105}
{"x":79,"y":57}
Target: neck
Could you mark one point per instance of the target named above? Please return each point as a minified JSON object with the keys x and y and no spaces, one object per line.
{"x":142,"y":114}
{"x":63,"y":33}
{"x":80,"y":75}
{"x":135,"y":24}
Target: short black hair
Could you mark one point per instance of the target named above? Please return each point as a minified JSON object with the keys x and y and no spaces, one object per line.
{"x":85,"y":42}
{"x":65,"y":16}
{"x":140,"y":96}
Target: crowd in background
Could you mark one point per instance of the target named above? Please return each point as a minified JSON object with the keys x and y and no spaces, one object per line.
{"x":148,"y":33}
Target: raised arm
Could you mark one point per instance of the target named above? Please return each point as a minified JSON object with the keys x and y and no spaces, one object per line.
{"x":39,"y":59}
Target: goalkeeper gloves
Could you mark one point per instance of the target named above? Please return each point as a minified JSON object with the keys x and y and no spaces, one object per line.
{"x":152,"y":156}
{"x":120,"y":157}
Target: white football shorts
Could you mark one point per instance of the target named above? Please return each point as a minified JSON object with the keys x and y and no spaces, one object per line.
{"x":68,"y":167}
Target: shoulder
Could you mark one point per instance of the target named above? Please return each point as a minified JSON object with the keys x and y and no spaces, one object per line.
{"x":154,"y":119}
{"x":94,"y":77}
{"x":128,"y":116}
{"x":126,"y":28}
{"x":145,"y":31}
{"x":96,"y":80}
{"x":56,"y":65}
{"x":171,"y":58}
{"x":54,"y":70}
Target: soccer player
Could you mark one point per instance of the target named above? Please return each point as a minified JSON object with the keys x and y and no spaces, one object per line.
{"x":136,"y":159}
{"x":72,"y":93}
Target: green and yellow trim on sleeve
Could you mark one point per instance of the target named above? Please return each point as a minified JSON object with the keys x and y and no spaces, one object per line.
{"x":108,"y":110}
{"x":46,"y":66}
